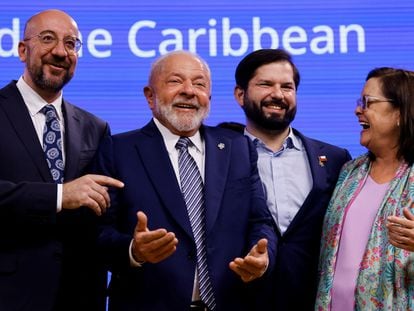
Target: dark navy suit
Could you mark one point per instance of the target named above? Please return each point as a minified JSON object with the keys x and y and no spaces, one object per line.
{"x":44,"y":255}
{"x":236,"y":218}
{"x":294,"y":279}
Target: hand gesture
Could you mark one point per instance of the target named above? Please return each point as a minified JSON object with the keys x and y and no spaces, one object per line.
{"x":401,"y":230}
{"x":90,"y":191}
{"x":254,"y":265}
{"x":152,"y":246}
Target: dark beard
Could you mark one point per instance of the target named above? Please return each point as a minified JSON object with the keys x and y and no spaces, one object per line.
{"x":272,"y":123}
{"x":47,"y":84}
{"x":40,"y":80}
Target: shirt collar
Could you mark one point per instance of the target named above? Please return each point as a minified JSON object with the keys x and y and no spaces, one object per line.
{"x":291,"y":141}
{"x":34,"y":101}
{"x":171,"y":139}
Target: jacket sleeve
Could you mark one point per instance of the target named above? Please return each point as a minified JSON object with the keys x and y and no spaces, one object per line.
{"x":24,"y":203}
{"x":261,"y":221}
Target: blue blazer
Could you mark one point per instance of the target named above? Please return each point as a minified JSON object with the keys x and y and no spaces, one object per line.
{"x":294,"y":281}
{"x":236,"y":218}
{"x":45,"y":258}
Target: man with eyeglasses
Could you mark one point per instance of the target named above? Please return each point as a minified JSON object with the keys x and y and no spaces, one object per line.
{"x":48,"y":206}
{"x":298,"y":174}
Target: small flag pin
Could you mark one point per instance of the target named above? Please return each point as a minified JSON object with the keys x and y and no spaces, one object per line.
{"x":322,"y":160}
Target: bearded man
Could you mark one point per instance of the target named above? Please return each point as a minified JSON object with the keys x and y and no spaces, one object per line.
{"x":298,"y":174}
{"x":48,"y":230}
{"x":190,"y":230}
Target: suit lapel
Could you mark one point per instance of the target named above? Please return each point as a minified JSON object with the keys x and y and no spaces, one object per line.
{"x":152,"y":152}
{"x":319,"y":179}
{"x":73,"y":138}
{"x":16,"y":110}
{"x":217,"y":161}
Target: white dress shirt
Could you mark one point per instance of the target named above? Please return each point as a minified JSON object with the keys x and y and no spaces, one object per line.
{"x":34,"y":104}
{"x":197,"y":151}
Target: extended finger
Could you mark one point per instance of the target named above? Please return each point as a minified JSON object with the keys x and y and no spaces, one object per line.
{"x":155,"y":249}
{"x":244,"y":269}
{"x":398,"y":221}
{"x":161,"y":242}
{"x":165,"y":252}
{"x":253,"y":265}
{"x":246,"y":276}
{"x":107,"y":181}
{"x":261,"y":246}
{"x":142,"y":222}
{"x":146,"y":237}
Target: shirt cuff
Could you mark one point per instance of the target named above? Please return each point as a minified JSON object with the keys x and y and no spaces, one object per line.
{"x":132,"y":261}
{"x":59,"y":197}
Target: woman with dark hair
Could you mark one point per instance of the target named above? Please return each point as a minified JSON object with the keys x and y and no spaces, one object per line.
{"x":365,"y":262}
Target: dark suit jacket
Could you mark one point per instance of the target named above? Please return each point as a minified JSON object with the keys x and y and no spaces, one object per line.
{"x":295,"y":275}
{"x":236,"y":218}
{"x":43,"y":254}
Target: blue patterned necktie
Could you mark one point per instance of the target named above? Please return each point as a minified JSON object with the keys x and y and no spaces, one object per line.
{"x":193,"y":192}
{"x":52,"y":143}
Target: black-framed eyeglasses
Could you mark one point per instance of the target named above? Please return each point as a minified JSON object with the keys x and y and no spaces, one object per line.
{"x":365,"y":101}
{"x":49,"y":40}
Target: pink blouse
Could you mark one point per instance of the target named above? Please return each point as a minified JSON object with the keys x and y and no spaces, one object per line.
{"x":354,"y":237}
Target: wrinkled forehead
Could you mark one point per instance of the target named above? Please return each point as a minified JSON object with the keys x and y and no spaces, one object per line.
{"x":185,"y":63}
{"x":180,"y":63}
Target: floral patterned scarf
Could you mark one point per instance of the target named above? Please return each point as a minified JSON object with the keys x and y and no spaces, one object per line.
{"x":386,"y":274}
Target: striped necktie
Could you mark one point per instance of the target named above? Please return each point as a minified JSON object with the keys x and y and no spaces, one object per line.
{"x":193,"y":192}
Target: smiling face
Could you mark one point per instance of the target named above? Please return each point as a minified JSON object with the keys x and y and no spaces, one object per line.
{"x":270,"y":99}
{"x":48,"y":70}
{"x":179,"y":93}
{"x":380,"y":131}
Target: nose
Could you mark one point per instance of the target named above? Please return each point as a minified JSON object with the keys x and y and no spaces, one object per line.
{"x":358,"y":110}
{"x":277,"y":92}
{"x":59,"y":49}
{"x":187,"y":88}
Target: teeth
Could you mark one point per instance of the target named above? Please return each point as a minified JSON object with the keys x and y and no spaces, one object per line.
{"x":58,"y":66}
{"x":364,"y":125}
{"x":185,"y":106}
{"x":274,"y":107}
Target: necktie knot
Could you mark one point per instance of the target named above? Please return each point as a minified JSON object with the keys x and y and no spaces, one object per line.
{"x":50,"y":112}
{"x":183,"y":143}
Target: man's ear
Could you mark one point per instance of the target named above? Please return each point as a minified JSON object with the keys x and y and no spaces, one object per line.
{"x":149,"y":95}
{"x":239,"y":95}
{"x":22,"y":49}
